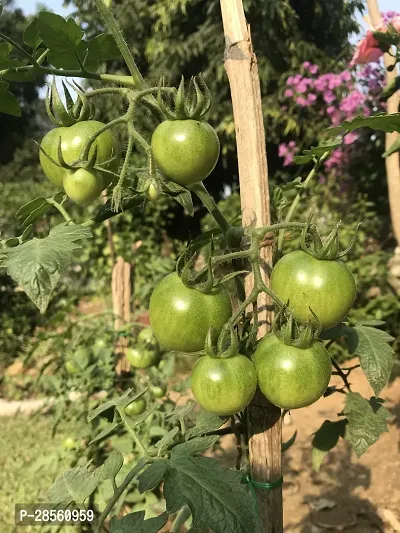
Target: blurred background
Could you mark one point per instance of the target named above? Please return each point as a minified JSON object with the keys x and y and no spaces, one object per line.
{"x":304,"y":51}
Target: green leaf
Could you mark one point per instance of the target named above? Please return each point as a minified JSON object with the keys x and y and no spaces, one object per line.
{"x":57,"y":33}
{"x":38,"y":264}
{"x":75,"y":485}
{"x":35,"y":209}
{"x":31,"y":35}
{"x":325,"y":439}
{"x":181,"y":411}
{"x":152,"y":476}
{"x":120,"y":401}
{"x":216,"y":496}
{"x":376,"y":356}
{"x":66,"y":59}
{"x":383,"y":122}
{"x":102,"y":48}
{"x":167,"y":439}
{"x":289,"y":443}
{"x":5,"y":49}
{"x":391,"y":88}
{"x":341,"y":330}
{"x":317,"y":151}
{"x":395,"y":147}
{"x":136,"y":523}
{"x":205,"y":423}
{"x":386,"y":38}
{"x":105,"y":432}
{"x":112,"y":465}
{"x":180,"y":194}
{"x":194,"y":446}
{"x":8,"y":103}
{"x":367,"y":421}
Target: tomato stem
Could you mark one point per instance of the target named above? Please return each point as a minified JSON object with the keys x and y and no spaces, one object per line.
{"x":297,"y":199}
{"x":208,"y":202}
{"x":180,"y":519}
{"x":60,"y":208}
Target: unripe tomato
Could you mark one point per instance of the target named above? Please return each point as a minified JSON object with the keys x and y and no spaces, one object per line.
{"x":135,"y":408}
{"x":141,"y":357}
{"x":327,"y":287}
{"x":291,"y":377}
{"x":83,"y":186}
{"x":146,"y":335}
{"x":69,"y":443}
{"x":158,"y":391}
{"x":186,"y":151}
{"x":224,"y":386}
{"x":180,"y":317}
{"x":73,"y":140}
{"x":151,"y":193}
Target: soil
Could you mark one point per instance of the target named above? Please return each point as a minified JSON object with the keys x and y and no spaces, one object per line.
{"x":347,"y":494}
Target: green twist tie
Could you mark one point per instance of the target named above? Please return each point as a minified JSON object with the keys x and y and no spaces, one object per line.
{"x":253,"y":484}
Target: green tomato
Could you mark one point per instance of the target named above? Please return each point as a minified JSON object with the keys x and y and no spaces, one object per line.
{"x":135,"y":408}
{"x":151,"y":193}
{"x":158,"y":391}
{"x":142,"y":357}
{"x":180,"y":317}
{"x":71,"y":367}
{"x":69,"y":443}
{"x":327,"y":287}
{"x":73,"y":140}
{"x":224,"y":386}
{"x":146,"y":335}
{"x":186,"y":151}
{"x":83,"y":186}
{"x":291,"y":377}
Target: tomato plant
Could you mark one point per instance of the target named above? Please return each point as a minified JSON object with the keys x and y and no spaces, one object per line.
{"x":291,"y":377}
{"x":186,"y":151}
{"x":180,"y":316}
{"x":191,"y":311}
{"x":327,"y":287}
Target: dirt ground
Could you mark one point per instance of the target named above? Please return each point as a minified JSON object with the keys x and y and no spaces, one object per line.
{"x":348,"y":494}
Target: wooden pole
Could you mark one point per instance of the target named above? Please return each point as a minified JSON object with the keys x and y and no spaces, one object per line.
{"x":121,"y":295}
{"x":393,"y":161}
{"x":264,"y":419}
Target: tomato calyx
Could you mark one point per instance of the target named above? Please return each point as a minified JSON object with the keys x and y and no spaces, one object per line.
{"x":71,"y":113}
{"x":329,"y":249}
{"x":287,"y":330}
{"x":227,"y":345}
{"x":203,"y":281}
{"x":191,"y":103}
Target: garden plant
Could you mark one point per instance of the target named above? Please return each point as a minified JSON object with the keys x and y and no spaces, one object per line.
{"x":213,"y":314}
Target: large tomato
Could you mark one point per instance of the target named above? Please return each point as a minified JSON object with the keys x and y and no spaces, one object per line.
{"x":180,"y":317}
{"x":73,"y":140}
{"x":291,"y":377}
{"x":186,"y":151}
{"x":142,"y":357}
{"x":224,"y":386}
{"x":83,"y":186}
{"x":327,"y":287}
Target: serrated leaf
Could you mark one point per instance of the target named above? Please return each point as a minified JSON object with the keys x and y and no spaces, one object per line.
{"x":112,"y":465}
{"x":31,"y":35}
{"x":67,"y":60}
{"x":105,"y":432}
{"x":181,"y":411}
{"x":74,"y":485}
{"x":167,"y":439}
{"x":102,"y":48}
{"x":8,"y":103}
{"x":376,"y":356}
{"x":135,"y":522}
{"x":341,"y":330}
{"x":152,"y":476}
{"x":139,"y":419}
{"x":367,"y":421}
{"x":325,"y":439}
{"x":370,"y":322}
{"x":185,"y":199}
{"x":105,"y":211}
{"x":37,"y":265}
{"x":205,"y":423}
{"x":216,"y":496}
{"x":32,"y":210}
{"x":302,"y":159}
{"x":120,"y":401}
{"x":57,"y":33}
{"x":194,"y":446}
{"x":383,"y":122}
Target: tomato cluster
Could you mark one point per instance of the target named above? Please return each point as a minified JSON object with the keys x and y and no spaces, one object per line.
{"x":289,"y":374}
{"x":82,"y":185}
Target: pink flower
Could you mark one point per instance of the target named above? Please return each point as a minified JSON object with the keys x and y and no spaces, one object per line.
{"x":311,"y":97}
{"x":288,"y":93}
{"x":329,"y":97}
{"x":346,"y":76}
{"x":288,"y":160}
{"x":367,"y":50}
{"x":313,"y":69}
{"x":301,"y":101}
{"x":282,"y":150}
{"x":331,"y":110}
{"x":395,"y":22}
{"x":306,"y":64}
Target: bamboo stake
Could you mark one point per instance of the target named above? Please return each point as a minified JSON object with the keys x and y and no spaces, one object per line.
{"x":393,"y":161}
{"x":241,"y":66}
